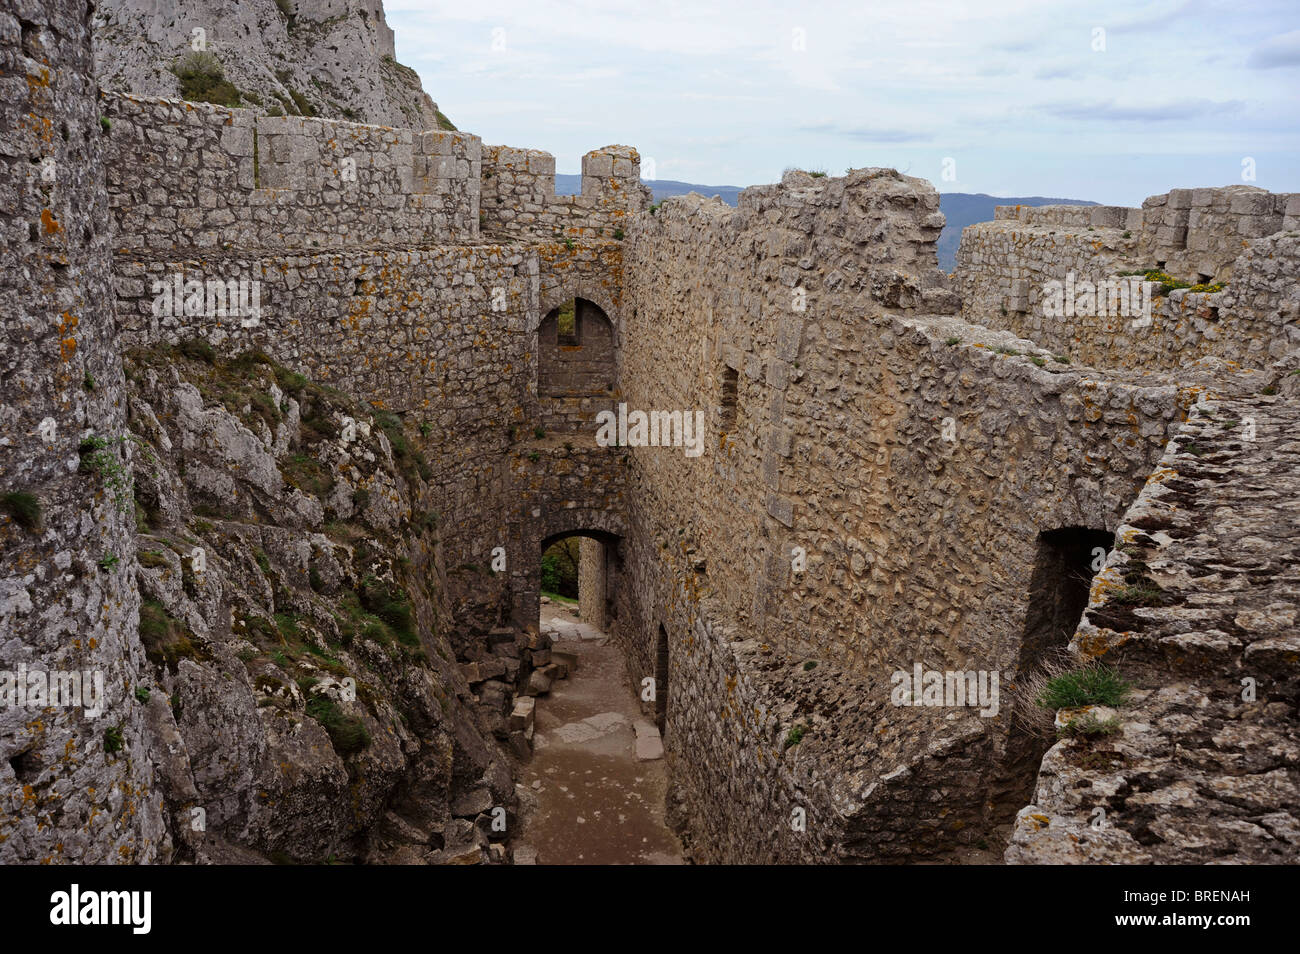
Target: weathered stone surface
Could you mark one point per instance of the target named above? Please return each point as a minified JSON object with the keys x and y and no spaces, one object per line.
{"x":1206,"y":765}
{"x":539,"y":683}
{"x":649,"y":746}
{"x":76,"y":785}
{"x":521,"y":717}
{"x":881,"y":454}
{"x":336,"y":56}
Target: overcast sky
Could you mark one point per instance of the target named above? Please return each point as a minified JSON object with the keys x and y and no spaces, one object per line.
{"x":1025,"y":98}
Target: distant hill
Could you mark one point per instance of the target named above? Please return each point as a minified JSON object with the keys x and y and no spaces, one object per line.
{"x":960,"y":208}
{"x":662,"y":188}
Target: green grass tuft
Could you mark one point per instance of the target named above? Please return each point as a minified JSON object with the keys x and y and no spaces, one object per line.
{"x":113,"y":739}
{"x":347,"y":733}
{"x":1092,"y":685}
{"x":24,"y":508}
{"x":204,"y":81}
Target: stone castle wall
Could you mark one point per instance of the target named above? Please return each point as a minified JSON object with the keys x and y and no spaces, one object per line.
{"x":592,"y":581}
{"x":1200,"y":764}
{"x":519,"y":193}
{"x":917,"y":548}
{"x":1004,"y":269}
{"x":196,"y":176}
{"x":876,"y":472}
{"x":1198,"y":233}
{"x":412,"y":331}
{"x":379,"y":286}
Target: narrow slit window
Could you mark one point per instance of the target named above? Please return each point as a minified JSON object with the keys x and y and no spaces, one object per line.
{"x":730,"y":398}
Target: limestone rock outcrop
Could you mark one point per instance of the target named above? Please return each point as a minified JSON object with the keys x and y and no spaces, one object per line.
{"x":305,"y":698}
{"x":329,"y":58}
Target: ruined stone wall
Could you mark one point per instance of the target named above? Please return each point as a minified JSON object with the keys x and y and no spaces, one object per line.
{"x":1197,"y":608}
{"x":519,"y":193}
{"x":917,"y":547}
{"x":1005,"y":267}
{"x":446,"y":335}
{"x":74,"y":786}
{"x":195,"y":176}
{"x":1197,"y":234}
{"x":438,"y":335}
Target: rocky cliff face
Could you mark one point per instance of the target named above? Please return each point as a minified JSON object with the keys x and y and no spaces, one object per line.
{"x":331,"y":58}
{"x":303,"y":700}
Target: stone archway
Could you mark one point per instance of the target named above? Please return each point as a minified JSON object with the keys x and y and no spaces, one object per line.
{"x":576,"y":364}
{"x":555,"y":296}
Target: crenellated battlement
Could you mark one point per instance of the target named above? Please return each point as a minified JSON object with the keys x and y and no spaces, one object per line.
{"x":1193,"y":232}
{"x":519,"y":193}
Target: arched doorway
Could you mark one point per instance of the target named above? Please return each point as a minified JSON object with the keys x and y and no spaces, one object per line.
{"x":580,"y":568}
{"x":575,"y":364}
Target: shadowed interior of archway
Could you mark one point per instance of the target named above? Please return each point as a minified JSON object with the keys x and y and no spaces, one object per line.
{"x":575,"y":364}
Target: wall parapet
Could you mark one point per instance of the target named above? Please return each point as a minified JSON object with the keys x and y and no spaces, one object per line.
{"x":194,"y":175}
{"x":519,"y":193}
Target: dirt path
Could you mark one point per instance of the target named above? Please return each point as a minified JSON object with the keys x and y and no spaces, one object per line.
{"x":587,"y":798}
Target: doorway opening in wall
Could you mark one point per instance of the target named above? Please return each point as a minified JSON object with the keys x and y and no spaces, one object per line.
{"x":661,"y":680}
{"x":576,"y":582}
{"x":560,"y":570}
{"x":1065,"y":562}
{"x":576,"y":365}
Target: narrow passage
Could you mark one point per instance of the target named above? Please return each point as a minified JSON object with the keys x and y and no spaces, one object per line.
{"x":587,"y":797}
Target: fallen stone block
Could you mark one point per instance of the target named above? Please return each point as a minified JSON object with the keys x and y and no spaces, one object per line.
{"x":568,"y":660}
{"x":483,"y":670}
{"x":467,"y":855}
{"x":555,"y":671}
{"x":539,"y":683}
{"x":525,"y":855}
{"x":521,"y":717}
{"x":472,"y":803}
{"x":649,"y":746}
